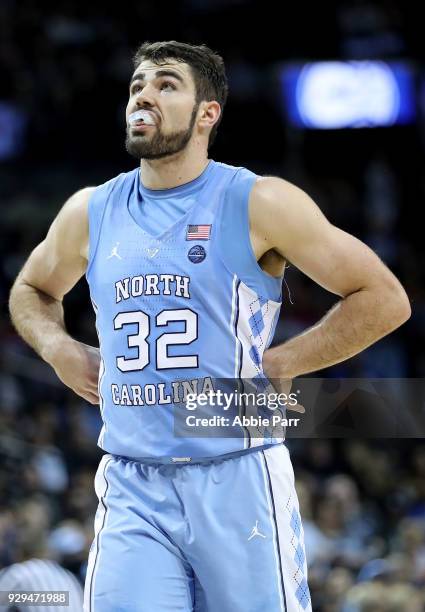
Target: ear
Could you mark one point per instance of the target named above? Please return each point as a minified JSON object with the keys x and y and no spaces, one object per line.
{"x":208,"y":114}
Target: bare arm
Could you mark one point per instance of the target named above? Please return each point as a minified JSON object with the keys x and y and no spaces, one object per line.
{"x":373,"y":302}
{"x":51,"y":270}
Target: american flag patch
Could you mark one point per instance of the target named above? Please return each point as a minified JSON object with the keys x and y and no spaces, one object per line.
{"x":198,"y":232}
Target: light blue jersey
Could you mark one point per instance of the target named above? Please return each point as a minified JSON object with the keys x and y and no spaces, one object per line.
{"x":180,"y":302}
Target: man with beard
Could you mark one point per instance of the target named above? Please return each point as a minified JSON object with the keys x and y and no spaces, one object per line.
{"x":184,"y":257}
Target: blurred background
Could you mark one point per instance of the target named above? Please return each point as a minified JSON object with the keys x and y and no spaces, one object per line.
{"x":330,"y":97}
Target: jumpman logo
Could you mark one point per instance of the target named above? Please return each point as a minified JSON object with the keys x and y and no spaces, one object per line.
{"x":114,"y":252}
{"x":255,"y":532}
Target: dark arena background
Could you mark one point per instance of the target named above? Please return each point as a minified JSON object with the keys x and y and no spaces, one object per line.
{"x":329,"y":96}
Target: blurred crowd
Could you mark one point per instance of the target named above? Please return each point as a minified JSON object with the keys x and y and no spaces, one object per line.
{"x":62,"y":98}
{"x":363,"y":509}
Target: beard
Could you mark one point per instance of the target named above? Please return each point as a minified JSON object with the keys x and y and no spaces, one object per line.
{"x":160,"y":145}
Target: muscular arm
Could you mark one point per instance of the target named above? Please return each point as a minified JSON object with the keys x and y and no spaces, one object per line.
{"x":373,"y":304}
{"x":51,"y":270}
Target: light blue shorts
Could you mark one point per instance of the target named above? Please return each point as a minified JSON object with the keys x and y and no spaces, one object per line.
{"x":222,"y":536}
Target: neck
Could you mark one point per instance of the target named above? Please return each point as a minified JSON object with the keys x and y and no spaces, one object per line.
{"x":174,"y":170}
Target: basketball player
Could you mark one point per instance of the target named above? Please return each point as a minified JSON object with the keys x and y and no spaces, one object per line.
{"x":184,"y":257}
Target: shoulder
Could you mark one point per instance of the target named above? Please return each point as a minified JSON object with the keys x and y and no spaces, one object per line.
{"x":74,"y":211}
{"x":69,"y":230}
{"x":273,"y":198}
{"x":76,"y":207}
{"x":267,"y":194}
{"x":280,"y":212}
{"x":265,"y":190}
{"x":77,"y":203}
{"x":273,"y":191}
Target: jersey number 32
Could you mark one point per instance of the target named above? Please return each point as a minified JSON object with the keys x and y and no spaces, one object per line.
{"x":139,"y":340}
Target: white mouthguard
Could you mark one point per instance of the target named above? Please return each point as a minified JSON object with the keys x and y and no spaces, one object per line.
{"x":141,"y":115}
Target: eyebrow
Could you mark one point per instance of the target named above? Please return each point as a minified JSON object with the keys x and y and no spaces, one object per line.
{"x":140,"y":76}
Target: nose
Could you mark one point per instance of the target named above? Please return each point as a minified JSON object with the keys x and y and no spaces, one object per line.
{"x":145,"y":96}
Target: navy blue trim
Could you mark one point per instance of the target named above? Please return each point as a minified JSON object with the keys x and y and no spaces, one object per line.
{"x":277,"y":529}
{"x":102,"y":501}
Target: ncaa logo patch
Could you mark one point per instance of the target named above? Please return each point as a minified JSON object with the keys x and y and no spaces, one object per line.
{"x":197,"y":254}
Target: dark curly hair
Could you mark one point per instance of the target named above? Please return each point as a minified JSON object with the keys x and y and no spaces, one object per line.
{"x":207,"y":69}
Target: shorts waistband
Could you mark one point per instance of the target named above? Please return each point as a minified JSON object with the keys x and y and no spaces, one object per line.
{"x":195,"y":460}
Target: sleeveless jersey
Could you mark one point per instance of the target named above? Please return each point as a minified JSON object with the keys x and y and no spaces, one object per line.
{"x":175,"y":311}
